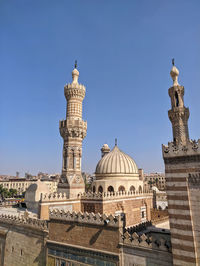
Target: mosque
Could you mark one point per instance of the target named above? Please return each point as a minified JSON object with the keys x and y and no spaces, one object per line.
{"x":111,"y":224}
{"x":117,"y":186}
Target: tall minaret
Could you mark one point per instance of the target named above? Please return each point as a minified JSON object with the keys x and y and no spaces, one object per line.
{"x":73,"y":130}
{"x":178,"y":114}
{"x":182,"y":173}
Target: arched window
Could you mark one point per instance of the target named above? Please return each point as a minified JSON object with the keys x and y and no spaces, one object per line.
{"x":121,"y":188}
{"x":132,"y":188}
{"x":94,"y":189}
{"x":110,"y":189}
{"x":140,"y":189}
{"x":100,"y":189}
{"x":176,"y":98}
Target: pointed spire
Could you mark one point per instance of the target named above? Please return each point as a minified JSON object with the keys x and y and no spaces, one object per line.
{"x":174,"y":74}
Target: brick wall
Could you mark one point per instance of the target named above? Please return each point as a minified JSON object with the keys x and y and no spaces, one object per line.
{"x":90,"y":236}
{"x":131,"y":207}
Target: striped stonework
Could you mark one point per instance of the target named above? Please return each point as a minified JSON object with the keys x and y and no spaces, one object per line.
{"x":183,"y":205}
{"x":182,"y":167}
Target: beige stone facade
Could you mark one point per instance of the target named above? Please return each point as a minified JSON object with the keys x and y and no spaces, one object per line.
{"x":155,"y":179}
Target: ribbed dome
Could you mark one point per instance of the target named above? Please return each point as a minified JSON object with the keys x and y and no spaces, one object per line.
{"x":116,"y":162}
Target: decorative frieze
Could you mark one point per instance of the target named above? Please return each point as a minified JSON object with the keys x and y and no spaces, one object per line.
{"x":172,"y":150}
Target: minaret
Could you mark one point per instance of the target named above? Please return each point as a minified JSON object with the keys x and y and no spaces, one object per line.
{"x":178,"y":114}
{"x":182,"y":173}
{"x":73,"y":130}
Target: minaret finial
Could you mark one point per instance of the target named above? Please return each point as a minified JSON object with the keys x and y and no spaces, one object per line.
{"x":115,"y":141}
{"x":75,"y":73}
{"x":174,"y":73}
{"x":75,"y":65}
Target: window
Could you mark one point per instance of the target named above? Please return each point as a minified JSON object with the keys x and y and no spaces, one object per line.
{"x":142,"y":214}
{"x":132,"y":188}
{"x":121,"y":188}
{"x":110,"y":189}
{"x":176,"y":98}
{"x":21,"y":252}
{"x":100,"y":189}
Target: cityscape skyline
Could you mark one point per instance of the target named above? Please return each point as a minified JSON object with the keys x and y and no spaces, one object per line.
{"x":126,"y":100}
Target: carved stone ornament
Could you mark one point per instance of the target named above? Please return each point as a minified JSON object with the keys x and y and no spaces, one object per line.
{"x":78,"y":179}
{"x":194,"y":145}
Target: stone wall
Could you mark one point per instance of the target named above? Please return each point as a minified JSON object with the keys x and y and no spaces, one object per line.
{"x":131,"y":204}
{"x":88,"y":233}
{"x":145,"y":249}
{"x":86,"y":230}
{"x":22,"y":241}
{"x":181,"y":163}
{"x":194,"y":196}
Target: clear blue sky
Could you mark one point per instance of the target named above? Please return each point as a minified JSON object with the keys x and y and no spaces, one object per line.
{"x":124,"y":51}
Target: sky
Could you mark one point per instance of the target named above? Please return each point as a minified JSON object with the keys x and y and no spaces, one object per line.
{"x":124,"y":51}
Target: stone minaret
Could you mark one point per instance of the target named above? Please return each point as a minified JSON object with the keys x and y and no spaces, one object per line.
{"x":182,"y":171}
{"x":178,"y":114}
{"x":73,"y":130}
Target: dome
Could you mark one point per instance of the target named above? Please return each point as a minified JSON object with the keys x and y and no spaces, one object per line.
{"x":105,"y":146}
{"x":116,"y":162}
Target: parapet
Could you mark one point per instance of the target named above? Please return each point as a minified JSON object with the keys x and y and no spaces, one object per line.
{"x":146,"y":241}
{"x":22,"y":221}
{"x":112,"y":195}
{"x":74,"y":90}
{"x":138,"y":228}
{"x":50,"y":197}
{"x":87,"y":218}
{"x":172,"y":150}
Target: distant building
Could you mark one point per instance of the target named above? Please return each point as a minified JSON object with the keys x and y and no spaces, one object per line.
{"x":22,"y":184}
{"x":159,"y":199}
{"x":155,"y":179}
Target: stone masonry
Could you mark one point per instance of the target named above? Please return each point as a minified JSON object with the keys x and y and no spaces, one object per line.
{"x":73,"y":131}
{"x":182,"y":168}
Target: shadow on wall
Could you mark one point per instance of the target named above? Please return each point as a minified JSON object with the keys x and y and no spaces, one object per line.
{"x":95,"y":237}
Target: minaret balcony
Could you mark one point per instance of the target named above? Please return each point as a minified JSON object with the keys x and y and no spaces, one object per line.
{"x":73,"y":128}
